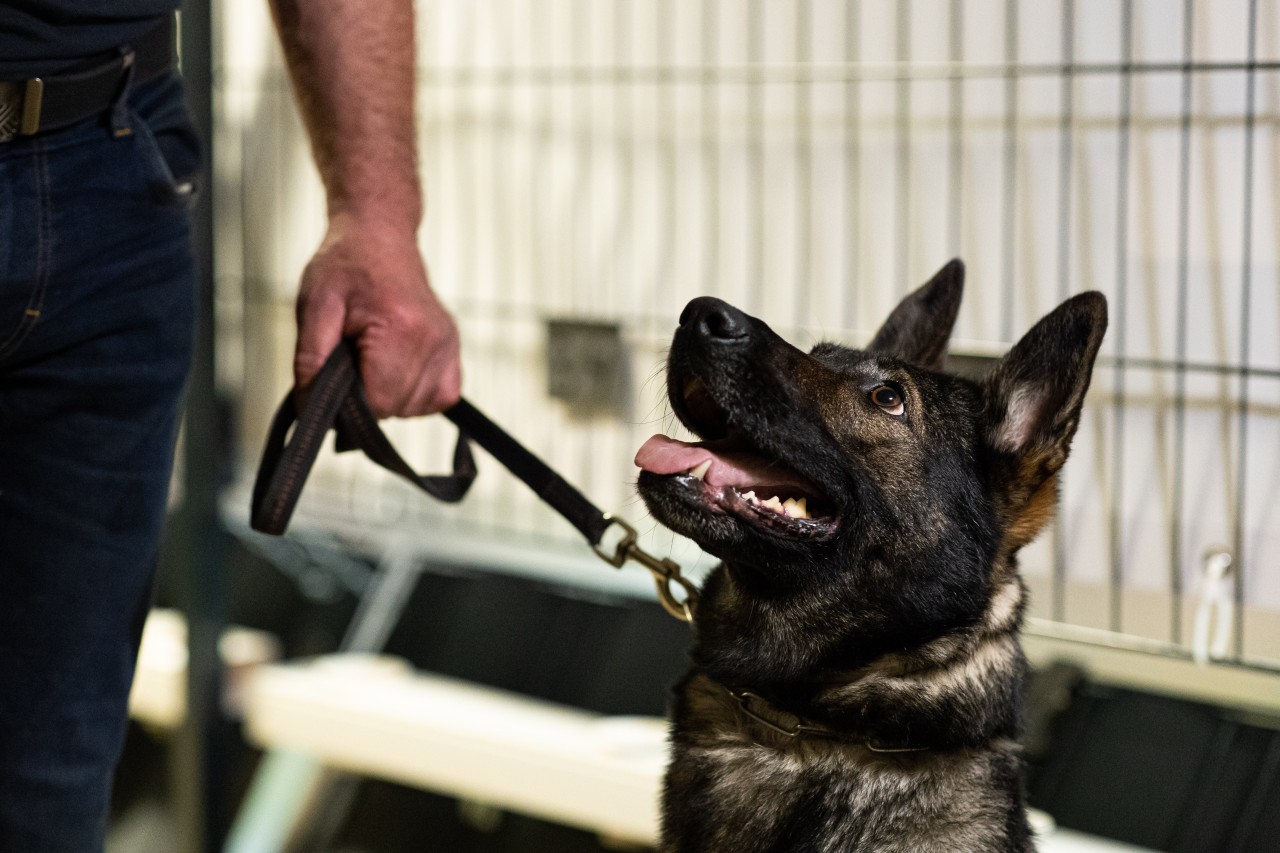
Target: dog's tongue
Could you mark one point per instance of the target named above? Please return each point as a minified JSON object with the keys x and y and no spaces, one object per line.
{"x":740,"y":469}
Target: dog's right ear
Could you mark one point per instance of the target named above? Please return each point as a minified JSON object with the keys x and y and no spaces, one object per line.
{"x":918,"y":329}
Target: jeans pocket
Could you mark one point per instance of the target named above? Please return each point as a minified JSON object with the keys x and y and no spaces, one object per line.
{"x":23,"y":255}
{"x":170,"y":144}
{"x":13,"y":332}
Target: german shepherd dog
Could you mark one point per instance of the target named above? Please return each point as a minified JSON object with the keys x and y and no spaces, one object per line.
{"x":856,"y":678}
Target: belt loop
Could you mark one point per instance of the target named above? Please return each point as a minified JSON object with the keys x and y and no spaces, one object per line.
{"x":120,"y":121}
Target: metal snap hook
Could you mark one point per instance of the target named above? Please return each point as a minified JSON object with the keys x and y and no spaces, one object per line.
{"x":665,"y":571}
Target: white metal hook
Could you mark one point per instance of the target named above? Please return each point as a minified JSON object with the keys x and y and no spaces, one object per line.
{"x":1214,"y":594}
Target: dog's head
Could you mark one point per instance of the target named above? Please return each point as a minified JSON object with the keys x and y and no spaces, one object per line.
{"x":868,"y":480}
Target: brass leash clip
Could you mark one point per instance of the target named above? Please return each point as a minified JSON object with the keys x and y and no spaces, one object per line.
{"x":665,"y":571}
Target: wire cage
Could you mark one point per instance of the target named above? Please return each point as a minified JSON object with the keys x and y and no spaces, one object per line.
{"x":604,"y":161}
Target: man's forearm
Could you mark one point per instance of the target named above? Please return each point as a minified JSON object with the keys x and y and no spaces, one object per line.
{"x":352,"y":64}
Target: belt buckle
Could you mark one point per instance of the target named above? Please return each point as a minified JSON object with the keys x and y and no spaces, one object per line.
{"x":20,"y":105}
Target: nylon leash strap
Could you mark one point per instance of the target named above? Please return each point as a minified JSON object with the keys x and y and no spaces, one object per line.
{"x":337,"y":401}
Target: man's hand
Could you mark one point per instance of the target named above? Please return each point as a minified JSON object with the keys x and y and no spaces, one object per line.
{"x":368,"y":282}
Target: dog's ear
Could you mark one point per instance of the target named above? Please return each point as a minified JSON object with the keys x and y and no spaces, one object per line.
{"x":1032,"y":400}
{"x":918,"y":329}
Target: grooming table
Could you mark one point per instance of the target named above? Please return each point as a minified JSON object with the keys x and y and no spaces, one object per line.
{"x":158,"y":699}
{"x":377,"y":717}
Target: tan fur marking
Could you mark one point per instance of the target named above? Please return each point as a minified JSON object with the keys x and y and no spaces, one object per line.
{"x":973,"y":671}
{"x":1032,"y":516}
{"x":1000,"y":618}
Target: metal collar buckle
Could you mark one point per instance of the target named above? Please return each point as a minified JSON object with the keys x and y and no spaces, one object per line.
{"x":20,"y":104}
{"x":746,"y":698}
{"x":802,"y":728}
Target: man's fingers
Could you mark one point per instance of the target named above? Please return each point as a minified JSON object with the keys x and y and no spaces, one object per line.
{"x":379,"y":391}
{"x":320,"y":323}
{"x":439,"y":389}
{"x":448,"y":391}
{"x":390,"y":393}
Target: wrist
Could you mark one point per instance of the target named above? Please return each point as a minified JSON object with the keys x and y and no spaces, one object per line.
{"x":379,"y":219}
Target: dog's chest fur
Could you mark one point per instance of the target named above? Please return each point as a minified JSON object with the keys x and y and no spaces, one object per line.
{"x":735,"y":784}
{"x":796,"y":798}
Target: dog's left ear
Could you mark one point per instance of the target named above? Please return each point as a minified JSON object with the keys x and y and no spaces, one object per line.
{"x":918,"y":329}
{"x":1032,"y":401}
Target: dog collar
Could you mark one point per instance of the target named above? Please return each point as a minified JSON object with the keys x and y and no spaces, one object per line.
{"x":762,"y":711}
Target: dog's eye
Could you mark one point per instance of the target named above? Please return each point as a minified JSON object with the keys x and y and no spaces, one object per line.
{"x":888,"y":398}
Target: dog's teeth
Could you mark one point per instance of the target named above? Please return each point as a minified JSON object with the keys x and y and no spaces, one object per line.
{"x":700,"y":471}
{"x":750,"y":497}
{"x":796,"y":508}
{"x":774,"y":504}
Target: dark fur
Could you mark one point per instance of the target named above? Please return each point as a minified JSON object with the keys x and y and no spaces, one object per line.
{"x":893,"y":626}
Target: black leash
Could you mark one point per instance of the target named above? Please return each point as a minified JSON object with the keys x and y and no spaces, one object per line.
{"x":337,"y":401}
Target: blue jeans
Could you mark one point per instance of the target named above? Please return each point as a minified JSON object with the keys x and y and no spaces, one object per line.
{"x":97,"y":305}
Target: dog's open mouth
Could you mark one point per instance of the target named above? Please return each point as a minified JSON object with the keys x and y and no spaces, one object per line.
{"x":730,"y":473}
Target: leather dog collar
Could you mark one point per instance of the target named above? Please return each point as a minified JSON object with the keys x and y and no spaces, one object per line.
{"x":790,"y":725}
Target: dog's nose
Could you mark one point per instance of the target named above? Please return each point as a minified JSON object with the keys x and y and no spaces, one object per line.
{"x":715,"y":319}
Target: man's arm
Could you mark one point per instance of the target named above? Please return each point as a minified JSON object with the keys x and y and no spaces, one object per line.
{"x":352,"y":65}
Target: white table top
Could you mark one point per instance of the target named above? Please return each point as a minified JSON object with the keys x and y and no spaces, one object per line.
{"x":377,"y":717}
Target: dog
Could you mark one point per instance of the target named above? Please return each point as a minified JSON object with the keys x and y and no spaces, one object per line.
{"x":856,"y":677}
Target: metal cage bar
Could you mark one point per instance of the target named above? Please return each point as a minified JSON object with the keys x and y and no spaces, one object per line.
{"x":610,"y":160}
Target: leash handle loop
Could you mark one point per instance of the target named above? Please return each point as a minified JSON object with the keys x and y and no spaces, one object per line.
{"x":336,"y":401}
{"x":287,"y":459}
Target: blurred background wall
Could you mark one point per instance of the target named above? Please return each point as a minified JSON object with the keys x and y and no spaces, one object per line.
{"x":607,"y":160}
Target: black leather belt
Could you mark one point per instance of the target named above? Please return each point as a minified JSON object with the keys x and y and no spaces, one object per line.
{"x":40,"y":104}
